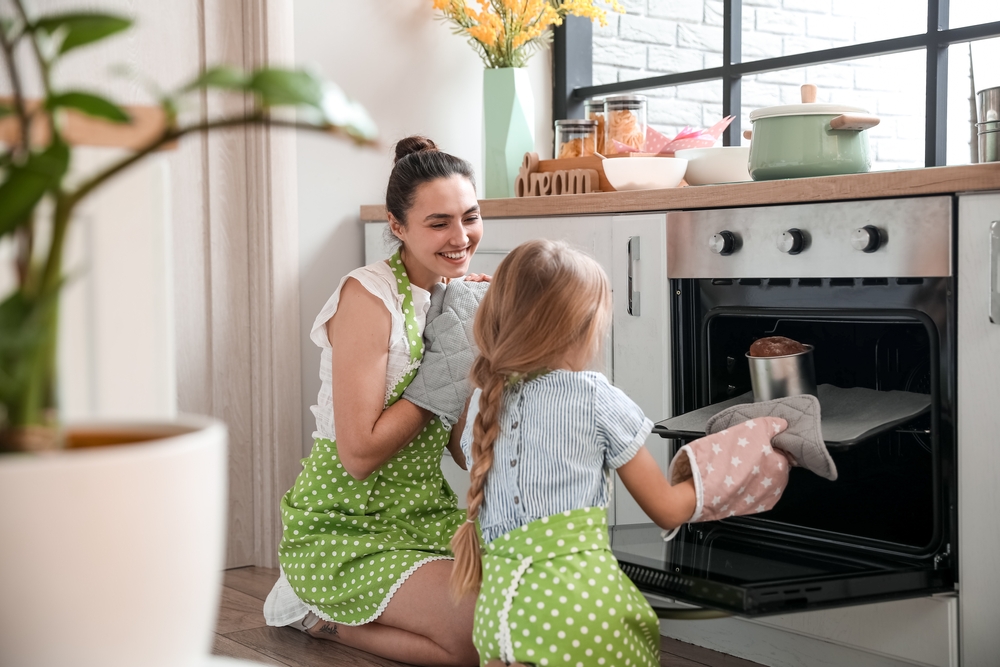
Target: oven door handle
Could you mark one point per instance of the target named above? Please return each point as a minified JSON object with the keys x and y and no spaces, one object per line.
{"x":633,"y":294}
{"x":995,"y":272}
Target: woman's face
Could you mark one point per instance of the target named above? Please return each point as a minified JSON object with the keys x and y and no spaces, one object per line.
{"x":442,"y":230}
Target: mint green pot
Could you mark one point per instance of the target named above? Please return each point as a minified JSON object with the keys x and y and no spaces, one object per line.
{"x":508,"y":127}
{"x":799,"y":146}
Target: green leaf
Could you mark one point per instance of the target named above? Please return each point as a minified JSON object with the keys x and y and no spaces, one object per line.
{"x":83,"y":28}
{"x":277,"y":87}
{"x":26,"y":184}
{"x":90,"y":104}
{"x":227,"y":78}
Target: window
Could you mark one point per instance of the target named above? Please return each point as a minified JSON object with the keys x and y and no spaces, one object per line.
{"x":700,"y":60}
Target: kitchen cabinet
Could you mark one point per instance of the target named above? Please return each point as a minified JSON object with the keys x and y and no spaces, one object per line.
{"x":978,"y":427}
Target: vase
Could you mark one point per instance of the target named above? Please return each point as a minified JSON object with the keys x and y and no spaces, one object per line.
{"x":113,"y":549}
{"x":508,"y":127}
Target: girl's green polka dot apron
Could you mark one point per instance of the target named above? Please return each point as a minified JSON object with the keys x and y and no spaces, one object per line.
{"x":348,"y":544}
{"x":553,"y":594}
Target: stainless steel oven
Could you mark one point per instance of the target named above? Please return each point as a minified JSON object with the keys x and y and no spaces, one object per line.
{"x":870,"y":284}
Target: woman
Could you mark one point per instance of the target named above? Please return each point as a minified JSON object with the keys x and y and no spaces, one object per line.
{"x":365,"y":552}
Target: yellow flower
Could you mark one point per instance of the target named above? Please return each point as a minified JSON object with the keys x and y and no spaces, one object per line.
{"x":503,"y":29}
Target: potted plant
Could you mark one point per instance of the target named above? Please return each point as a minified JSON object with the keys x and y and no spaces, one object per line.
{"x":113,"y":535}
{"x":505,"y":34}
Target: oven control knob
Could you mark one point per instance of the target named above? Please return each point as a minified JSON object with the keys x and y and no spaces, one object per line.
{"x":791,"y":241}
{"x":723,"y":243}
{"x":867,"y":239}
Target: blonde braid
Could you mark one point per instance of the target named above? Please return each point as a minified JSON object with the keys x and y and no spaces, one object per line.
{"x":468,"y":572}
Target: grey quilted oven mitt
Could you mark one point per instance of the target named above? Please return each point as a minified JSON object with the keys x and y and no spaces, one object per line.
{"x":802,"y":440}
{"x":442,"y":382}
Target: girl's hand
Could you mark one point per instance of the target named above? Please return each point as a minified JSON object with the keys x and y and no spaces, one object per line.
{"x":478,"y":278}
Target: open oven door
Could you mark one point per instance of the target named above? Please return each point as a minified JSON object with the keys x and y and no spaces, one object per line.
{"x":724,"y":566}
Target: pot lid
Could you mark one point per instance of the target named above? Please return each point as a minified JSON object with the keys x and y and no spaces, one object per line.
{"x":812,"y":109}
{"x":809,"y":107}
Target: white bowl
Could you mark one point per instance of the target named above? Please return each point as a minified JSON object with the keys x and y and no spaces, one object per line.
{"x":718,"y":164}
{"x":644,"y":173}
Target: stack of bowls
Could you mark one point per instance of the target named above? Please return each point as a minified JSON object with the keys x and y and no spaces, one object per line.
{"x":989,"y":125}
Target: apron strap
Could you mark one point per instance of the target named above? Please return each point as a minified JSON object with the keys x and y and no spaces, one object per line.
{"x":413,"y":335}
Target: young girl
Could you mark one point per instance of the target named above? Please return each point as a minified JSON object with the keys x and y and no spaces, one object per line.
{"x":542,"y":437}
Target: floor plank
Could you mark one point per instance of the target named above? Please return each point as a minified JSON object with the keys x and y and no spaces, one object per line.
{"x":254,"y":581}
{"x":227,"y":647}
{"x":238,"y":611}
{"x":700,"y":655}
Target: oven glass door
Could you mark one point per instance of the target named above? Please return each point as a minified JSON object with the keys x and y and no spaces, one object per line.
{"x":723,"y":567}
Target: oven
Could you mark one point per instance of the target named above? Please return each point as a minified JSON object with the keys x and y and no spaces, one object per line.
{"x":870,"y":284}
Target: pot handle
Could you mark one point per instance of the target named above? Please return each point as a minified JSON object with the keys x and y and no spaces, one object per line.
{"x":748,"y":134}
{"x":853,"y":122}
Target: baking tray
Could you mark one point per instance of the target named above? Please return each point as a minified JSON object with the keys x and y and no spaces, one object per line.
{"x":848,"y":416}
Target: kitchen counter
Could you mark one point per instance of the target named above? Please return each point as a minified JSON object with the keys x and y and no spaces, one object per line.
{"x":873,"y":185}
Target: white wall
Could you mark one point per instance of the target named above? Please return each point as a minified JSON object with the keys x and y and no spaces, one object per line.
{"x":414,"y":77}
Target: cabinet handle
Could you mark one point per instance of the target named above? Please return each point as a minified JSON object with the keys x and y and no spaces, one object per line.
{"x":995,"y":272}
{"x":633,"y":294}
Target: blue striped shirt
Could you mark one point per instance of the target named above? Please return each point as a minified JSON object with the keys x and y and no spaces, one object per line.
{"x":561,"y":435}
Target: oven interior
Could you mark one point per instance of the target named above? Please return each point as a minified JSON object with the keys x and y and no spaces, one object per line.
{"x":885,"y":488}
{"x":892,"y":493}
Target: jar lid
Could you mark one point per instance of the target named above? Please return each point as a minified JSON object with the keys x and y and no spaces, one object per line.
{"x":625,"y":101}
{"x":594,"y":102}
{"x":807,"y":109}
{"x":577,"y":123}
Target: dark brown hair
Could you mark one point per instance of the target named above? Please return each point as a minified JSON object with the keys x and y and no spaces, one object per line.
{"x":419,"y":161}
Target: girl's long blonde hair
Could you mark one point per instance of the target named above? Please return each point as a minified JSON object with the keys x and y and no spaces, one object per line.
{"x":547,"y":303}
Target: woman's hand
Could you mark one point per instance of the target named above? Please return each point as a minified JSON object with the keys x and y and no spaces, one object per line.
{"x":478,"y":278}
{"x":367,"y":434}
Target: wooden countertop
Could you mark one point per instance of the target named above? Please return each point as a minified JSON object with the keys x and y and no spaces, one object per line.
{"x":873,"y":185}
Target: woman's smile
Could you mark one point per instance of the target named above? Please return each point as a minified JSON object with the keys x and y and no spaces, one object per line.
{"x":457,"y":256}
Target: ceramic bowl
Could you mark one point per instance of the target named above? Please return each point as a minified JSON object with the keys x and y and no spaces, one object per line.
{"x":718,"y":164}
{"x":644,"y":173}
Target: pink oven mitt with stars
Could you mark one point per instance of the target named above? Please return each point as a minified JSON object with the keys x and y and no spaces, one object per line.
{"x":742,"y":466}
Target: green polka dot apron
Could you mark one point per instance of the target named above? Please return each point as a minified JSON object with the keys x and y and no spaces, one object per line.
{"x":348,"y":545}
{"x":553,"y":594}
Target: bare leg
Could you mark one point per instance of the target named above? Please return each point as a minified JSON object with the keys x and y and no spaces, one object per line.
{"x":422,"y":624}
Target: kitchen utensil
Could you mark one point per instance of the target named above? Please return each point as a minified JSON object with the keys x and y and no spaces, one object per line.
{"x":777,"y":377}
{"x":624,"y":121}
{"x":989,"y":105}
{"x":644,"y":173}
{"x":718,"y":164}
{"x":809,"y":139}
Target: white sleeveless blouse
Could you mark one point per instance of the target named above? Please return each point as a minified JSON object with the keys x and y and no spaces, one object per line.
{"x":378,"y":279}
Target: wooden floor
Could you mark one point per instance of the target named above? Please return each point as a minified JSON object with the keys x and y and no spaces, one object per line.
{"x":242,"y":633}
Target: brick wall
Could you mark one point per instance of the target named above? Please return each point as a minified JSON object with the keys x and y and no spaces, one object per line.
{"x":656,"y":37}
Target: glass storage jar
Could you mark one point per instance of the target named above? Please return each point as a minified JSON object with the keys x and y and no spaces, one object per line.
{"x":593,"y":109}
{"x":575,"y":137}
{"x":625,"y":122}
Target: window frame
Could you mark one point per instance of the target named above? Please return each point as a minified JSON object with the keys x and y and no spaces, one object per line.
{"x":572,"y":64}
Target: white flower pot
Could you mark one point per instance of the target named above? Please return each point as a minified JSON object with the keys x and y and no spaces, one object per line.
{"x":112,"y":556}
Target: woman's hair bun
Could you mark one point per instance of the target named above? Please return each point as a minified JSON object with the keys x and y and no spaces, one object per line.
{"x":414,"y":144}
